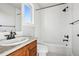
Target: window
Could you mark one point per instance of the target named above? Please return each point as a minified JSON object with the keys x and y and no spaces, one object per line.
{"x":27,"y":14}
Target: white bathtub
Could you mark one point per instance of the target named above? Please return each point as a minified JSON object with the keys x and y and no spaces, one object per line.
{"x":58,"y":49}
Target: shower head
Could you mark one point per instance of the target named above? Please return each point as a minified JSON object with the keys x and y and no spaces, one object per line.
{"x":65,"y":9}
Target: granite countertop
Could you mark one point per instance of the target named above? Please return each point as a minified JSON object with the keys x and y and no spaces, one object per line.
{"x":5,"y":50}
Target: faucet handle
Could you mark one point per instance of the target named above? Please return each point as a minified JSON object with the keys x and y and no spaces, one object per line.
{"x":14,"y":33}
{"x":66,"y":36}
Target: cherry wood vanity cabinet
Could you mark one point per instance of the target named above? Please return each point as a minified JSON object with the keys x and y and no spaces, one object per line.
{"x":28,"y":50}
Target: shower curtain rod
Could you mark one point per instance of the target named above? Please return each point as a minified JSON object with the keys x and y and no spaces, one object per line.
{"x":74,"y":22}
{"x":50,"y":6}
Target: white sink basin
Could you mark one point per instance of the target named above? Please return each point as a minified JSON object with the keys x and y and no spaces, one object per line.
{"x":13,"y":42}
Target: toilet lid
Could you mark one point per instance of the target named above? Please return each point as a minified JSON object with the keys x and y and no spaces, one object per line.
{"x":42,"y":48}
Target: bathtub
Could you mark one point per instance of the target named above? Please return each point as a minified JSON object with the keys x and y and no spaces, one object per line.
{"x":57,"y":49}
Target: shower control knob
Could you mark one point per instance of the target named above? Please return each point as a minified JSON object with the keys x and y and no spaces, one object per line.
{"x":78,"y":35}
{"x":66,"y":36}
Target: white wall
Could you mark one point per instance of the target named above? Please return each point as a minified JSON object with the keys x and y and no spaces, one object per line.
{"x":54,"y":24}
{"x":55,"y":20}
{"x":75,"y":27}
{"x":8,"y":17}
{"x":37,"y":21}
{"x":18,"y":20}
{"x":7,"y":14}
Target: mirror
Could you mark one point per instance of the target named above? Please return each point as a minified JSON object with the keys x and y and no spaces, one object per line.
{"x":10,"y":18}
{"x":14,"y":15}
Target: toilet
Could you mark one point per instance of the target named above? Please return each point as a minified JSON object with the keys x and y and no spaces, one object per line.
{"x":42,"y":50}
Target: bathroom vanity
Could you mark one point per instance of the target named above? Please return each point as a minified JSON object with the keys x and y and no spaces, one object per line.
{"x":28,"y":48}
{"x":21,"y":25}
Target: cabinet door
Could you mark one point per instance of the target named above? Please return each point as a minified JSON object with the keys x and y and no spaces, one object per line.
{"x":32,"y":49}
